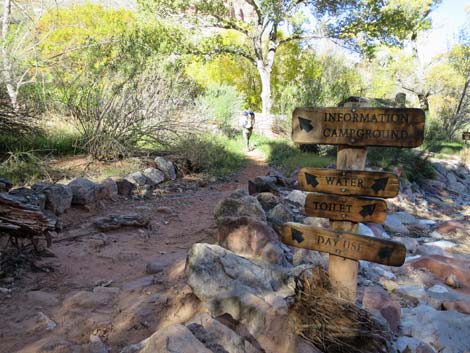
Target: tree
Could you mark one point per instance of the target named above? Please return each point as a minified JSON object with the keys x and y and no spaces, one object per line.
{"x":18,"y":46}
{"x":451,"y":82}
{"x":361,"y":24}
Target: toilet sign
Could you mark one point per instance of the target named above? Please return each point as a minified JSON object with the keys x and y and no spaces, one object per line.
{"x":399,"y":127}
{"x":349,"y":195}
{"x":346,"y":208}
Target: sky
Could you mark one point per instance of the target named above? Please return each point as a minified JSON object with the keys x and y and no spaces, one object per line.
{"x":446,"y":19}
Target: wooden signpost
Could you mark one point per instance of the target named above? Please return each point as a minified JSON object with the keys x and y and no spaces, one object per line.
{"x":334,"y":192}
{"x":346,"y":208}
{"x":348,"y":245}
{"x":349,"y":182}
{"x":400,"y":127}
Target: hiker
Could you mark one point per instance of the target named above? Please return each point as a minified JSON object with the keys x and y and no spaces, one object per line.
{"x":247,"y":124}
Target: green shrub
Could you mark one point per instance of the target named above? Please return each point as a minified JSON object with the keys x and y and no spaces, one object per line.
{"x":222,"y":103}
{"x":284,"y":154}
{"x":24,"y":167}
{"x":412,"y":164}
{"x":212,"y":154}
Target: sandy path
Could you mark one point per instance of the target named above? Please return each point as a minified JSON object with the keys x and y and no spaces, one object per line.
{"x":117,"y":258}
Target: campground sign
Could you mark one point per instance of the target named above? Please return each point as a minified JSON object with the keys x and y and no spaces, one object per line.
{"x":349,"y":194}
{"x":400,"y":127}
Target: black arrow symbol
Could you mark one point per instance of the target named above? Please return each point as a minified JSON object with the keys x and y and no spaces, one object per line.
{"x":380,"y":184}
{"x":385,"y":253}
{"x":296,"y":235}
{"x":311,"y":179}
{"x":305,"y":124}
{"x":367,"y":210}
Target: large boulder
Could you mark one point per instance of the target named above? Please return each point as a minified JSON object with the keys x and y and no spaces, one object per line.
{"x":251,"y":239}
{"x":58,"y":196}
{"x":449,"y":227}
{"x":138,"y":179}
{"x":109,"y":189}
{"x":166,"y":167}
{"x":215,"y":333}
{"x":297,"y":198}
{"x":267,"y":200}
{"x":446,"y":331}
{"x":84,"y":191}
{"x":393,"y":224}
{"x":280,"y":215}
{"x":172,"y":339}
{"x":29,"y":197}
{"x":444,"y":268}
{"x":124,"y":187}
{"x":249,"y":292}
{"x":154,"y":175}
{"x":376,"y":298}
{"x":239,"y":204}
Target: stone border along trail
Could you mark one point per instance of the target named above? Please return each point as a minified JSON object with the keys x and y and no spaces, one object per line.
{"x":116,"y":287}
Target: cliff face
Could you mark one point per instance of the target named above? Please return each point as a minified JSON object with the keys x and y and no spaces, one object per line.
{"x":241,"y":10}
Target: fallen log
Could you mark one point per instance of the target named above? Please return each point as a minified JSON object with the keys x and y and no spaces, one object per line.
{"x":113,"y":222}
{"x":21,"y":219}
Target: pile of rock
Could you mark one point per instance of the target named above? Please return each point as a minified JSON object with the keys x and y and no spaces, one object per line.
{"x":143,"y":183}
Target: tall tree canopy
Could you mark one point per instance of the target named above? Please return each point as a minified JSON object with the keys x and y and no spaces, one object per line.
{"x":268,"y":24}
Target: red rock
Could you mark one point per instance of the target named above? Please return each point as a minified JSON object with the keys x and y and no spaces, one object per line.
{"x":449,"y":227}
{"x":249,"y":238}
{"x":378,"y":299}
{"x":462,"y":306}
{"x":443,"y":267}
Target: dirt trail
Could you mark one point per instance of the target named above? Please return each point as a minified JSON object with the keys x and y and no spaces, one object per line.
{"x":131,"y":304}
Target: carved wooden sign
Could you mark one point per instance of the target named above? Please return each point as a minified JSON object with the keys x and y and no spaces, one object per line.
{"x":349,"y":182}
{"x":400,"y":127}
{"x":346,"y":208}
{"x":466,"y":135}
{"x":348,"y":245}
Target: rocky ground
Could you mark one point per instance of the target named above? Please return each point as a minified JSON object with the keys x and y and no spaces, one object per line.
{"x":166,"y":286}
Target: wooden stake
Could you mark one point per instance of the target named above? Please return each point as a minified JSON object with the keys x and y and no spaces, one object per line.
{"x":342,"y":271}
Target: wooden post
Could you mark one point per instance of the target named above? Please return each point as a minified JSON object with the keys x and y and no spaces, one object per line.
{"x":342,"y":271}
{"x":352,"y":128}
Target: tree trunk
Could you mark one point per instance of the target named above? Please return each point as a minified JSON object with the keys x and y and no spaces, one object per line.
{"x":266,"y":99}
{"x":7,"y":65}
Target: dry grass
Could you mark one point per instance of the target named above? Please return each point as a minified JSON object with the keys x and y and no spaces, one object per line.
{"x":333,"y":324}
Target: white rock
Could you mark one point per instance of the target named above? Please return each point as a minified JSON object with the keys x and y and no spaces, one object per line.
{"x":155,"y":175}
{"x":166,"y":167}
{"x":393,"y":224}
{"x":405,"y":217}
{"x":443,"y":244}
{"x":436,"y":235}
{"x":365,"y":230}
{"x":427,"y":222}
{"x":438,"y":289}
{"x":297,"y":197}
{"x":43,"y":319}
{"x":447,"y":331}
{"x":412,"y":290}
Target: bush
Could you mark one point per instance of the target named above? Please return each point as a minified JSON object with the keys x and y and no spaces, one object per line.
{"x":153,"y":108}
{"x":212,"y":154}
{"x":412,"y":164}
{"x":288,"y":157}
{"x":24,"y":167}
{"x":222,"y":103}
